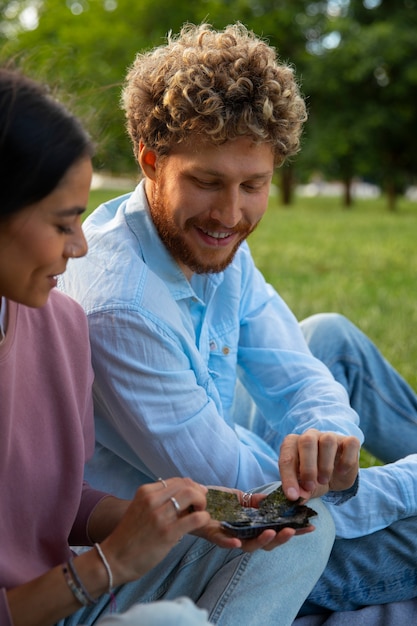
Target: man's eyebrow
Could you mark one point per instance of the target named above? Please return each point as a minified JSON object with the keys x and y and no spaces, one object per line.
{"x":252,"y":176}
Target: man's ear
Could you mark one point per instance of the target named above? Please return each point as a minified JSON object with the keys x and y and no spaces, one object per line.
{"x":147,"y":161}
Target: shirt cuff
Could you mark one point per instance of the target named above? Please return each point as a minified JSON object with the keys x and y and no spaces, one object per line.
{"x":339,"y":497}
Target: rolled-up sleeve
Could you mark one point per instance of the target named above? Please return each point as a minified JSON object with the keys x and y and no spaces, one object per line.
{"x":294,"y":390}
{"x":157,"y":407}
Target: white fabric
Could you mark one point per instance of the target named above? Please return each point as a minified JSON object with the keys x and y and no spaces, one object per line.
{"x":180,"y":612}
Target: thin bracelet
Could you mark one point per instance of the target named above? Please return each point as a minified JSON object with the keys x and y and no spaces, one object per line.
{"x":79,"y":583}
{"x":76,"y":591}
{"x":113,"y":604}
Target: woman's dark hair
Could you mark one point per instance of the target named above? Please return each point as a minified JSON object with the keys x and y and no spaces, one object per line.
{"x":39,"y":141}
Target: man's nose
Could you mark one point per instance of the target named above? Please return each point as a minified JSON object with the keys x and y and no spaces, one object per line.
{"x":227,"y":209}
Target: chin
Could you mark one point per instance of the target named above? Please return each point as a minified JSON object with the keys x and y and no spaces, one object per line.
{"x":35,"y":302}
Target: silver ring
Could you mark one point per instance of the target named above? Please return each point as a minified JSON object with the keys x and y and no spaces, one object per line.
{"x":161,"y":480}
{"x":176,"y":505}
{"x":247,"y":499}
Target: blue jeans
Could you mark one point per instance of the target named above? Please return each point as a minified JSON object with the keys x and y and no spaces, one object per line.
{"x":382,"y":566}
{"x":386,"y":404}
{"x":231,"y":587}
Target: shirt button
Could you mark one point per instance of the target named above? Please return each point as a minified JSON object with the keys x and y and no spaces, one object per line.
{"x":225,"y":350}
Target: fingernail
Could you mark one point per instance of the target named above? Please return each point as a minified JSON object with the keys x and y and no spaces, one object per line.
{"x":292,"y":493}
{"x":309,"y":485}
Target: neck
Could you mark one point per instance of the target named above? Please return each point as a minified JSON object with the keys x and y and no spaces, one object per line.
{"x":186,"y":270}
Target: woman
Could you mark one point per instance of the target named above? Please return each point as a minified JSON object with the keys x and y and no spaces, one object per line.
{"x":46,"y":416}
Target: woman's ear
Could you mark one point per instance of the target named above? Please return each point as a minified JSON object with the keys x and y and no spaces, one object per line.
{"x":147,"y":161}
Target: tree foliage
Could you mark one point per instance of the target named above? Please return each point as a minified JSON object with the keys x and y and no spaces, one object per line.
{"x":356,"y":59}
{"x":364,"y":120}
{"x":86,"y":47}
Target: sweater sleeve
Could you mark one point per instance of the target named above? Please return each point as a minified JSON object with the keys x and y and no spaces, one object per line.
{"x":79,"y":376}
{"x":5,"y":617}
{"x":89,"y":500}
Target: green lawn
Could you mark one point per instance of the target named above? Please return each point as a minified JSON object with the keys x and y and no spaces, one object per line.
{"x":97,"y":196}
{"x":360,"y":262}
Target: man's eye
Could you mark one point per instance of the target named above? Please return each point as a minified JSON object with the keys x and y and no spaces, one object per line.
{"x":255,"y":186}
{"x":205,"y":183}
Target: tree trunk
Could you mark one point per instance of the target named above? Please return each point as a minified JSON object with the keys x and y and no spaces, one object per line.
{"x":347,"y":193}
{"x":391,"y":196}
{"x":286,"y":184}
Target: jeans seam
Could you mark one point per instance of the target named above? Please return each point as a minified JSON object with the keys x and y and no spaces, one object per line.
{"x":231,"y":586}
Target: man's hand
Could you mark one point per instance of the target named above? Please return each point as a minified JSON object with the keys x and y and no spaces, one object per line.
{"x":315,"y":462}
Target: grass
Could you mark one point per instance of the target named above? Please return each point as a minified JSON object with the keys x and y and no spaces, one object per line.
{"x":98,"y":196}
{"x":360,"y":262}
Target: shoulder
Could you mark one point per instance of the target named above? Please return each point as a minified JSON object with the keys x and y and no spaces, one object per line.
{"x":113,"y":275}
{"x":59,"y":327}
{"x":64,"y":304}
{"x":63,"y":312}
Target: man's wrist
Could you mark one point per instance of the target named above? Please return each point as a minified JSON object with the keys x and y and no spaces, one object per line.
{"x":339,"y":497}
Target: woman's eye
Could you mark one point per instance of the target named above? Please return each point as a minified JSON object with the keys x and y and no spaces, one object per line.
{"x":66,"y":230}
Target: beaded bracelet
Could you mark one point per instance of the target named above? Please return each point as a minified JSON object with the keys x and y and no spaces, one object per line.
{"x":78,"y":590}
{"x":113,"y":603}
{"x":80,"y":585}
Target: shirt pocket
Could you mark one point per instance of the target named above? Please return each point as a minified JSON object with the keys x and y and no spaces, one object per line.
{"x":222,"y":363}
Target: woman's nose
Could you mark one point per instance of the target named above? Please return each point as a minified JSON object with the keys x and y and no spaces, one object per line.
{"x":77,"y":246}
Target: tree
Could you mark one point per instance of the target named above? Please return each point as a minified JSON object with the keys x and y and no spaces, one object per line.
{"x":85,"y":47}
{"x":362,"y":95}
{"x":356,"y":60}
{"x":89,"y":44}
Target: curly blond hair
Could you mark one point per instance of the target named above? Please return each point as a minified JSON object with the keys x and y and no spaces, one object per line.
{"x":213,"y":85}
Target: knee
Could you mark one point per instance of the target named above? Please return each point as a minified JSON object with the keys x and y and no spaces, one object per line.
{"x":327,"y":333}
{"x":322,"y":539}
{"x":314,"y":548}
{"x":301,"y":561}
{"x":323,"y":325}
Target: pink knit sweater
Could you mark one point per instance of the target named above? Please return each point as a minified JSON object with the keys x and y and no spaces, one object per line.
{"x":46,"y":435}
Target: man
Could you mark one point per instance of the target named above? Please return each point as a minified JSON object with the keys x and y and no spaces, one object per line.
{"x":201,"y":369}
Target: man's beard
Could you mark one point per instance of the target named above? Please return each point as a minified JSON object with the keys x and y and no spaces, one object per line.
{"x":174,"y":240}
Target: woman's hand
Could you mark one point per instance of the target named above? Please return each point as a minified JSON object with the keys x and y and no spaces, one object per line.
{"x":134,"y":536}
{"x":155,"y":520}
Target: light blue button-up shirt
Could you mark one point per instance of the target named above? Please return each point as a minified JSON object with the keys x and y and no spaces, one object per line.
{"x":176,"y":362}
